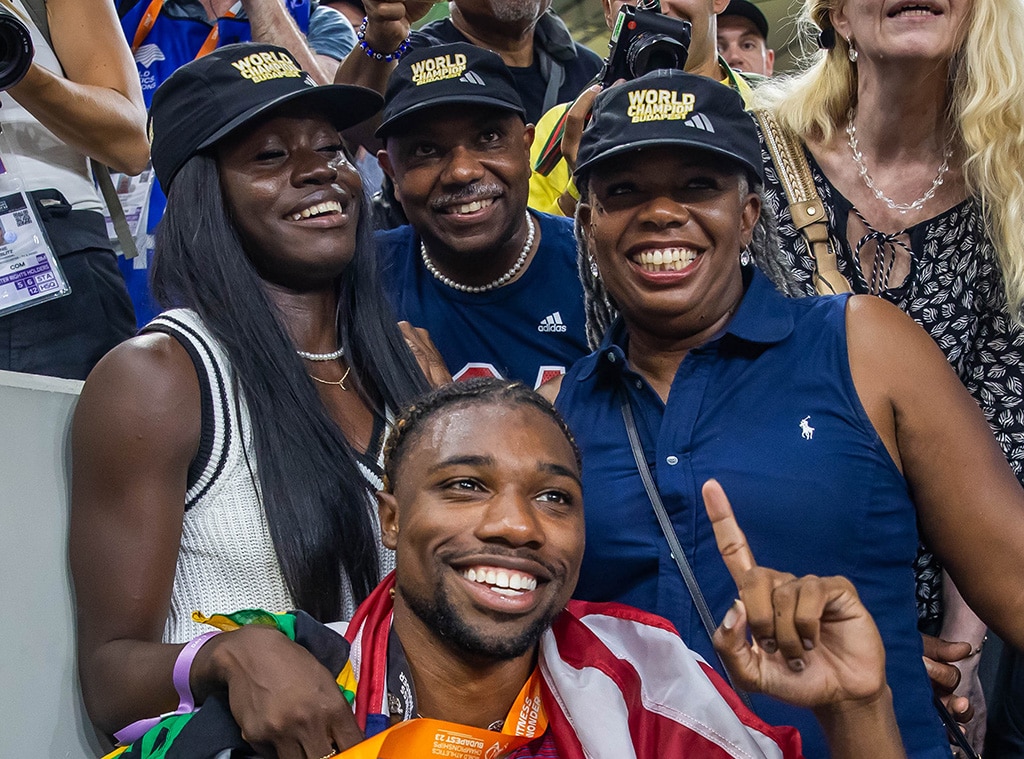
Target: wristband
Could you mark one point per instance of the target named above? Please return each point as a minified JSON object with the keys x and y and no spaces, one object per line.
{"x":371,"y":53}
{"x":180,"y":678}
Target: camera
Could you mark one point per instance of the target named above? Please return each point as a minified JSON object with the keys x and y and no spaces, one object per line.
{"x":645,"y":40}
{"x":16,"y":48}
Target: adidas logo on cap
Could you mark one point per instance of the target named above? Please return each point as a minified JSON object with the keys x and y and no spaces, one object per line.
{"x":552,"y":323}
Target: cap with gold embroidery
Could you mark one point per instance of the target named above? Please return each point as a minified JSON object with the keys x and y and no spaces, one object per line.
{"x":446,"y":74}
{"x":670,"y":107}
{"x":204,"y":101}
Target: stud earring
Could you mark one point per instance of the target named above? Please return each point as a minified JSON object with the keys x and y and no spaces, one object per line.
{"x":852,"y":52}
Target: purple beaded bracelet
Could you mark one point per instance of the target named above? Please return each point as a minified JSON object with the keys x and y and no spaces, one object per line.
{"x":371,"y":53}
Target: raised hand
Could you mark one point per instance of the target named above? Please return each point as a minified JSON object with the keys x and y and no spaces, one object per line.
{"x":814,"y":643}
{"x":388,"y":22}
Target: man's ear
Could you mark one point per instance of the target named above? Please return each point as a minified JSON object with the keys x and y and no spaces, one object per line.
{"x":769,"y":62}
{"x":386,"y":166}
{"x":387,"y":510}
{"x":529,"y":133}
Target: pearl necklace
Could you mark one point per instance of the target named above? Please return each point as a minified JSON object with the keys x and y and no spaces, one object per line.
{"x":333,"y":355}
{"x":503,"y":279}
{"x":858,"y":157}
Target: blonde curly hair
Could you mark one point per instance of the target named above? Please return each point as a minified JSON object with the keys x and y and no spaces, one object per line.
{"x":985,"y":105}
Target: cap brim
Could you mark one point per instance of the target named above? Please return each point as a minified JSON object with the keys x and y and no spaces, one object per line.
{"x":388,"y":127}
{"x":661,"y":142}
{"x":344,"y":105}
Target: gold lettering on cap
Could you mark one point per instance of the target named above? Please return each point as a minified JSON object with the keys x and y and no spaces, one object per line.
{"x":261,"y":67}
{"x":436,"y":69}
{"x":659,"y":105}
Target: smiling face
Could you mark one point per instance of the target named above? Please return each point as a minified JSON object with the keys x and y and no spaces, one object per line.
{"x":462,"y":175}
{"x":486,"y":518}
{"x":742,"y":46}
{"x":666,"y":226}
{"x":904,"y":30}
{"x":293,"y":198}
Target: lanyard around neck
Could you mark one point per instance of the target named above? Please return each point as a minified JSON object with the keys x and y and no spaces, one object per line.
{"x":149,"y":20}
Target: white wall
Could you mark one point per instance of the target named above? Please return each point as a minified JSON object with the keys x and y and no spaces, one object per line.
{"x":41,"y":713}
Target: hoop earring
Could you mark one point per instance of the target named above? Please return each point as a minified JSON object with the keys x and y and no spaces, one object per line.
{"x":852,"y":53}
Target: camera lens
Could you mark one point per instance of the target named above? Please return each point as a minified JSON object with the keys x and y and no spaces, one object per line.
{"x":653,"y":52}
{"x":15,"y":50}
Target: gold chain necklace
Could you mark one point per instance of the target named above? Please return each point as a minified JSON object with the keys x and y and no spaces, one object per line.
{"x":338,"y":383}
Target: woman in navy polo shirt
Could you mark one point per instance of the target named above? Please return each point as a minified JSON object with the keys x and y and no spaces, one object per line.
{"x":834,"y":424}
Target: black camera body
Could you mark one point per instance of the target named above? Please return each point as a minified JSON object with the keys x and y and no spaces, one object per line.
{"x":16,"y":49}
{"x":644,"y":40}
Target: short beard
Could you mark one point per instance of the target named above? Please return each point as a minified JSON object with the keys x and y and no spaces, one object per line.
{"x":514,"y":11}
{"x":441,"y":617}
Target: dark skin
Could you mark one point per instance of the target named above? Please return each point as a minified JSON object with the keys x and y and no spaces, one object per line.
{"x":484,"y":478}
{"x":441,"y":162}
{"x":481,"y":485}
{"x":970,"y":506}
{"x":137,"y":428}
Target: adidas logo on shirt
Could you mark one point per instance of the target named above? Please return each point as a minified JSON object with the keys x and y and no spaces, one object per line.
{"x":552,"y":323}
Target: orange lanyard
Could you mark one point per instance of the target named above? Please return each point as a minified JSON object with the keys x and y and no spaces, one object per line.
{"x":436,"y":738}
{"x":149,"y":19}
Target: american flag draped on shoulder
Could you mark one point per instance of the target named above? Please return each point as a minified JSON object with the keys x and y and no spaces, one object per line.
{"x":617,"y":683}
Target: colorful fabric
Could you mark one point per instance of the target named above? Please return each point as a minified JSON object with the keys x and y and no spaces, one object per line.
{"x":211,"y":729}
{"x":613,"y":681}
{"x":617,"y":683}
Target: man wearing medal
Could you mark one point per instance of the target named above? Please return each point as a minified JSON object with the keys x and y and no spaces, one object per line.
{"x":472,"y":649}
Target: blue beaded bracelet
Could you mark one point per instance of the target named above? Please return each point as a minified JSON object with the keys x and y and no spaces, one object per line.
{"x":371,"y":53}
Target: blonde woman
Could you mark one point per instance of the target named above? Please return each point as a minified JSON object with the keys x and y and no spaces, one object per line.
{"x":913,"y":123}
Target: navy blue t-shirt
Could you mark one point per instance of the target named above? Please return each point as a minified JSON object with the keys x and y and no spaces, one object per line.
{"x":530,"y":330}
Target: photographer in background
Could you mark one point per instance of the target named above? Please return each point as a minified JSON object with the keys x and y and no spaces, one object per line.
{"x":79,"y":99}
{"x":559,"y":130}
{"x":743,"y":38}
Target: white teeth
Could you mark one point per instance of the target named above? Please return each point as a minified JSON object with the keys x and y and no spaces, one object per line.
{"x":504,"y":581}
{"x":476,"y":205}
{"x":330,"y":206}
{"x":666,"y":259}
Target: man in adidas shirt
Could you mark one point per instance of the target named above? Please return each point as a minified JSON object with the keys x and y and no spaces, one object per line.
{"x":495,"y":285}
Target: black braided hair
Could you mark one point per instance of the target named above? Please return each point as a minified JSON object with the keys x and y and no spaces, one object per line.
{"x":483,"y":391}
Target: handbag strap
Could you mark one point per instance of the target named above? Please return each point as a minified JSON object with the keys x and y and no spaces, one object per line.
{"x":805,"y":204}
{"x":675,"y":548}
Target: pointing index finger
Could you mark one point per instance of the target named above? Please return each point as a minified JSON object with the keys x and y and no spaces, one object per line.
{"x":732,"y":543}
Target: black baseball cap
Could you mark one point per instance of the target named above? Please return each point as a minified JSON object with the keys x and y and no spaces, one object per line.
{"x":207,"y":99}
{"x":670,"y":107}
{"x":448,"y":74}
{"x":747,"y":10}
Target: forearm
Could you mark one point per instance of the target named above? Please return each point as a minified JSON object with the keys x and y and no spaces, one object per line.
{"x":959,"y":622}
{"x":98,"y":121}
{"x":127,"y":680}
{"x":271,"y":23}
{"x":862,"y":729}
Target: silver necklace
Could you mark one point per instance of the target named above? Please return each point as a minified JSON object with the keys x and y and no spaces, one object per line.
{"x":858,"y":157}
{"x":333,"y":355}
{"x":503,"y":279}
